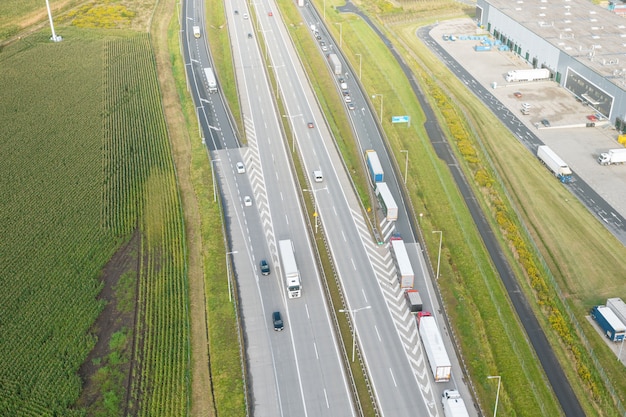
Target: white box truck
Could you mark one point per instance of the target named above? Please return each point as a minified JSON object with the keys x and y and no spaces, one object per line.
{"x":435,"y":350}
{"x":335,"y":63}
{"x":196,"y":31}
{"x":404,"y":263}
{"x":558,"y":167}
{"x":528,"y":75}
{"x":453,"y":405}
{"x":612,"y":156}
{"x":387,"y":202}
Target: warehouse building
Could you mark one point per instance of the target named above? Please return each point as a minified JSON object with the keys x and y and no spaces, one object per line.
{"x":583,"y":45}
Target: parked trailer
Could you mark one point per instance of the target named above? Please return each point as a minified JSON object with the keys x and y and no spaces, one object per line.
{"x":612,"y":156}
{"x":554,"y":163}
{"x":453,"y":405}
{"x":374,"y":166}
{"x":613,"y":328}
{"x":414,"y":300}
{"x":387,"y":202}
{"x":528,"y":75}
{"x":618,"y":307}
{"x":404,"y":263}
{"x":335,"y":63}
{"x":210,"y":79}
{"x":435,"y":350}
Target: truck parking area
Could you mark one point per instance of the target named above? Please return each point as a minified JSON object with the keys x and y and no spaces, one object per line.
{"x":551,"y":112}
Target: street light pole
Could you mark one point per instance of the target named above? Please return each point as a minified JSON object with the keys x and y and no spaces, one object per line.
{"x":353,"y":312}
{"x":315,"y":214}
{"x":340,"y":32}
{"x":439,"y":255}
{"x":230,"y":297}
{"x":406,"y":164}
{"x":495,"y":408}
{"x":381,"y":106}
{"x":293,"y":131}
{"x":359,"y":55}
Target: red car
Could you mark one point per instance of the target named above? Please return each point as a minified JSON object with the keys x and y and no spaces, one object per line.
{"x":270,"y":14}
{"x":310,"y":125}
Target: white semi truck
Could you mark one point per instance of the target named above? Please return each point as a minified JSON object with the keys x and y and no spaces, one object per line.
{"x":612,"y":156}
{"x":210,"y":79}
{"x":536,"y":74}
{"x":555,"y":164}
{"x":290,"y":269}
{"x":433,"y":345}
{"x":335,"y":63}
{"x":453,"y":405}
{"x":407,"y":276}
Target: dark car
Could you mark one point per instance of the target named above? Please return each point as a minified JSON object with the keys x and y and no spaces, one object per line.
{"x":265,"y":267}
{"x":278,"y":321}
{"x":545,"y":122}
{"x":341,"y":80}
{"x":249,"y":35}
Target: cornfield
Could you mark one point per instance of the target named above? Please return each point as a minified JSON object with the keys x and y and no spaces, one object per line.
{"x":86,"y":161}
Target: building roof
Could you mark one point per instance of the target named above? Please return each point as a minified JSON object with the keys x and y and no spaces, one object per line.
{"x":592,"y":34}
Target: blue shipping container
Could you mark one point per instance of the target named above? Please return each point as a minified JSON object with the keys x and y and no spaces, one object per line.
{"x":613,"y":328}
{"x":374,"y":167}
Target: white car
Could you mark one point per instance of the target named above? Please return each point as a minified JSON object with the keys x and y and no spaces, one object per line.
{"x":245,"y":15}
{"x":247,"y":201}
{"x":348,"y":99}
{"x":240,"y":168}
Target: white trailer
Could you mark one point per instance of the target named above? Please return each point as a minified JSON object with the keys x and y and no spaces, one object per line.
{"x":558,"y":167}
{"x":612,"y":156}
{"x":404,"y":263}
{"x":618,"y":307}
{"x":290,"y":268}
{"x":528,"y":75}
{"x":435,"y":350}
{"x":335,"y":63}
{"x":387,"y":202}
{"x":210,"y":79}
{"x":453,"y":405}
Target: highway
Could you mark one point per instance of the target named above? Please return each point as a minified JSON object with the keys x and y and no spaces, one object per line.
{"x":297,"y":371}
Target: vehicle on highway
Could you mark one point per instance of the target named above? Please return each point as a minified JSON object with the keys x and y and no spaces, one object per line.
{"x":241,"y":168}
{"x":517,"y":94}
{"x":249,"y":35}
{"x":196,"y":31}
{"x":310,"y":125}
{"x":345,"y":93}
{"x":247,"y":201}
{"x":545,"y":122}
{"x":348,"y":99}
{"x":278,"y":321}
{"x":245,"y":15}
{"x":236,"y":11}
{"x":351,"y":106}
{"x":265,"y":267}
{"x":290,"y":268}
{"x":270,"y":14}
{"x":324,"y":48}
{"x":317,"y":176}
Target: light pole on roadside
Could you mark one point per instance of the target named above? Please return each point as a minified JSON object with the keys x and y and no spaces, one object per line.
{"x":230,"y":297}
{"x":381,"y":106}
{"x":439,"y":255}
{"x":406,"y":164}
{"x":340,"y":32}
{"x":315,"y":213}
{"x":213,"y":175}
{"x":359,"y":55}
{"x":495,"y":408}
{"x":293,"y":130}
{"x":353,"y":312}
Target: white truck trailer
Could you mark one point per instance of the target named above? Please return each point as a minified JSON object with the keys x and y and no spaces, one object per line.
{"x":387,"y":202}
{"x":290,"y":268}
{"x":612,"y":156}
{"x":555,"y":164}
{"x":536,"y":74}
{"x":407,"y":276}
{"x":335,"y":63}
{"x":210,"y":79}
{"x":435,"y":350}
{"x":618,"y":307}
{"x":453,"y":405}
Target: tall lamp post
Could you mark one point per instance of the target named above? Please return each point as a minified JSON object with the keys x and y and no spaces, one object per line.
{"x":406,"y":164}
{"x":340,"y":32}
{"x":495,"y":408}
{"x":381,"y":106}
{"x":230,"y":297}
{"x":315,"y":214}
{"x":293,"y":131}
{"x":353,"y":312}
{"x":439,"y":255}
{"x":359,"y":55}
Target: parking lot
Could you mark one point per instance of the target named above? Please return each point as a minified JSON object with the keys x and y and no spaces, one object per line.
{"x":578,"y":145}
